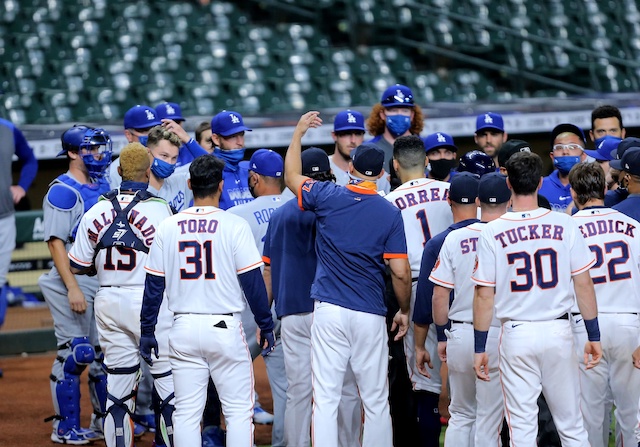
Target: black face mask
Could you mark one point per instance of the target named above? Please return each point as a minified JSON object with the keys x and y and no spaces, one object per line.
{"x":440,"y":169}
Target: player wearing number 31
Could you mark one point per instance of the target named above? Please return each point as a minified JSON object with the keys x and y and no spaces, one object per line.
{"x":205,"y":258}
{"x":527,"y":260}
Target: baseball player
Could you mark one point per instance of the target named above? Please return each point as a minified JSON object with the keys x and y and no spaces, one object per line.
{"x":349,"y":326}
{"x":290,"y":265}
{"x":441,"y":155}
{"x":205,"y":258}
{"x":12,"y":142}
{"x":266,"y":184}
{"x":490,"y":134}
{"x":170,"y":114}
{"x":532,"y":259}
{"x":425,"y":211}
{"x":70,"y":298}
{"x":476,"y":162}
{"x":116,"y":247}
{"x":474,"y":403}
{"x":611,"y":236}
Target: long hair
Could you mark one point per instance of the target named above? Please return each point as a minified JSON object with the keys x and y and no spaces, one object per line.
{"x":376,"y":125}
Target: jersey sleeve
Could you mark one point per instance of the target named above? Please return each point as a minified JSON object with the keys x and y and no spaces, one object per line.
{"x":582,"y":258}
{"x":155,"y":260}
{"x":26,"y":156}
{"x":423,"y":310}
{"x":246,"y":255}
{"x":61,"y":208}
{"x":266,"y":249}
{"x":396,"y":244}
{"x":82,"y":250}
{"x":484,"y":271}
{"x":442,"y":273}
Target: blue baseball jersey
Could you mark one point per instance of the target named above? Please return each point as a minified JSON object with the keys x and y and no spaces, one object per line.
{"x":615,"y":196}
{"x":558,"y":195}
{"x":289,"y":249}
{"x":356,"y":229}
{"x":423,"y":310}
{"x":630,"y":206}
{"x":235,"y":190}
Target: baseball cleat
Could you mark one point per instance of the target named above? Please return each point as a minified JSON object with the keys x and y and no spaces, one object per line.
{"x":148,"y":421}
{"x":138,"y":430}
{"x":72,"y":437}
{"x":89,"y":434}
{"x":262,"y":417}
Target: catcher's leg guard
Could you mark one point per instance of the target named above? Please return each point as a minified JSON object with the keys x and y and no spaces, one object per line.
{"x":98,"y":390}
{"x":163,"y":408}
{"x":118,"y":425}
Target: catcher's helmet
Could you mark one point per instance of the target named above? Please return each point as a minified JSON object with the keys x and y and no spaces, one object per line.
{"x":477,"y":163}
{"x":81,"y":138}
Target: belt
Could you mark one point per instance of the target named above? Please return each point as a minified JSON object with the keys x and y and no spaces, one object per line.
{"x":459,"y":322}
{"x":563,"y":317}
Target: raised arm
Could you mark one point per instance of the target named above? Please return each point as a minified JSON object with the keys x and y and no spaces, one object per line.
{"x":292,"y":161}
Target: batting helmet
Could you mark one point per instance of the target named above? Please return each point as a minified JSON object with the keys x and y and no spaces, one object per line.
{"x":477,"y":163}
{"x":81,"y":138}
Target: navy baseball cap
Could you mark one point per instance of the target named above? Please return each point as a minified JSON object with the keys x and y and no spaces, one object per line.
{"x":489,"y":121}
{"x":464,"y":188}
{"x":608,"y":146}
{"x":141,"y":117}
{"x":266,"y":162}
{"x":348,"y":120}
{"x":630,"y":161}
{"x":511,"y":147}
{"x":169,"y":110}
{"x":315,"y":160}
{"x":493,"y":188}
{"x":397,"y":96}
{"x":368,"y":159}
{"x":623,"y":146}
{"x":438,"y":140}
{"x":566,"y":127}
{"x":227,"y":123}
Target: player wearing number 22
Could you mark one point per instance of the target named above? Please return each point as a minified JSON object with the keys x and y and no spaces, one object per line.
{"x":526,"y":261}
{"x":205,"y":258}
{"x":613,"y":237}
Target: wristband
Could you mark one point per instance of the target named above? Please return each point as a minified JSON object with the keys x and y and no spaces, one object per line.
{"x":479,"y":340}
{"x":440,"y":332}
{"x":593,"y":329}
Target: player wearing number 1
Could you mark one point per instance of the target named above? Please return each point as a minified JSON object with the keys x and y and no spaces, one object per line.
{"x":613,"y":238}
{"x":206,"y":258}
{"x":530,"y":261}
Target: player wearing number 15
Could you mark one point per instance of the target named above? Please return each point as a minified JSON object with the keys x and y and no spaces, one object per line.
{"x":206,"y":258}
{"x":613,"y":237}
{"x":526,"y":260}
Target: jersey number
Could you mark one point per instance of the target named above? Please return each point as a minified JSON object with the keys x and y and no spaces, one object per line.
{"x":609,"y":247}
{"x":543,"y":265}
{"x":126,"y":253}
{"x":422,"y":217}
{"x":196,"y":260}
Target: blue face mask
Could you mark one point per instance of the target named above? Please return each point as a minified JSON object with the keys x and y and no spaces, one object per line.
{"x":162,"y":169}
{"x":564,"y":164}
{"x":398,"y":124}
{"x":143,"y":140}
{"x":232,"y":157}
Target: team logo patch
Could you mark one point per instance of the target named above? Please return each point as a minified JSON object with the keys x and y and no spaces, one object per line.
{"x":475,"y":265}
{"x":234,"y":119}
{"x":350,"y":118}
{"x":150,"y":115}
{"x":488,"y":119}
{"x":170,"y":110}
{"x":437,"y":264}
{"x":441,"y":138}
{"x":399,"y":95}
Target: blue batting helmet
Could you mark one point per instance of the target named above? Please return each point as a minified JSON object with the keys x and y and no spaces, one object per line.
{"x":79,"y":138}
{"x":477,"y":163}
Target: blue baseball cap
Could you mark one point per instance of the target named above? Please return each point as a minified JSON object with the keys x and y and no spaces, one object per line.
{"x":623,"y":146}
{"x":397,"y":96}
{"x":348,"y":120}
{"x":267,"y":162}
{"x":493,"y":188}
{"x":169,"y":110}
{"x":489,"y":121}
{"x":464,"y":188}
{"x":368,"y":159}
{"x":630,"y":161}
{"x":141,"y":117}
{"x":608,"y":146}
{"x":227,"y":123}
{"x":438,"y":140}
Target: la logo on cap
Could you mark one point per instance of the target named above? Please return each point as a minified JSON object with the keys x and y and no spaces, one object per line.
{"x":488,"y":119}
{"x":441,"y":138}
{"x":150,"y":115}
{"x":351,"y":118}
{"x":399,"y":95}
{"x":170,"y":110}
{"x":234,"y":119}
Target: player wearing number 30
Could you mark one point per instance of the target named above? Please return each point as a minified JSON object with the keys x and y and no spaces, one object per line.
{"x":529,"y":259}
{"x":206,"y":258}
{"x":115,"y":236}
{"x":613,"y":237}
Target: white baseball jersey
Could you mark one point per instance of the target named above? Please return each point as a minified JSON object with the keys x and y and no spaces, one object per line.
{"x":614,"y":240}
{"x":454,"y":267}
{"x":530,"y":257}
{"x":257,"y":213}
{"x":200,"y":252}
{"x":115,"y":265}
{"x":425,"y":212}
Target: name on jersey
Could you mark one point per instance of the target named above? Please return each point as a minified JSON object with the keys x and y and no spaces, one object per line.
{"x":197,"y":226}
{"x":422,"y":196}
{"x":262,"y":216}
{"x":607,"y":226}
{"x":529,"y":233}
{"x":135,"y":219}
{"x":178,"y":201}
{"x":468,"y":245}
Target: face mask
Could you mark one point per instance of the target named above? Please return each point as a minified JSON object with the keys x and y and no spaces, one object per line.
{"x":251,"y":188}
{"x":564,"y":164}
{"x":232,"y":157}
{"x":142,"y":139}
{"x":398,"y":124}
{"x":162,"y":169}
{"x":441,"y":168}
